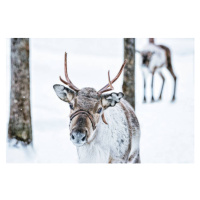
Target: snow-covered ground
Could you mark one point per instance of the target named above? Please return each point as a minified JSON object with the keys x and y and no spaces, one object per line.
{"x":167,"y":129}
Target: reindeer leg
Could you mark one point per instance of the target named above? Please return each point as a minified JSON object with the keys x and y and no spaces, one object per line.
{"x":175,"y":78}
{"x":144,"y":100}
{"x":163,"y":79}
{"x":135,"y":159}
{"x":152,"y":97}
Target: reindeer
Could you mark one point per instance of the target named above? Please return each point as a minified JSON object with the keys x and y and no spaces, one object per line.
{"x":154,"y":59}
{"x":103,"y":127}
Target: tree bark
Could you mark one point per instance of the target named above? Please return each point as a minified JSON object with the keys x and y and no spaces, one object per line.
{"x":129,"y":71}
{"x":20,"y":112}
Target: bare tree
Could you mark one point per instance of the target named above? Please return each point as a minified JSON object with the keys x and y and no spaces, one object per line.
{"x":129,"y":71}
{"x":20,"y":113}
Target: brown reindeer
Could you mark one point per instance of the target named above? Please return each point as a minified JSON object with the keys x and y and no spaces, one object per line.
{"x":154,"y":59}
{"x":103,"y":127}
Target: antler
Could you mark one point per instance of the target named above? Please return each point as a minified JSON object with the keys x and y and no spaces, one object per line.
{"x":68,"y":82}
{"x":106,"y":87}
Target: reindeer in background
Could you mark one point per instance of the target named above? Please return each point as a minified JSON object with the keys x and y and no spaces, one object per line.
{"x":103,"y":127}
{"x":154,"y":59}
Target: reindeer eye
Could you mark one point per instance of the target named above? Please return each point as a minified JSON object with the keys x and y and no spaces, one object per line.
{"x":99,"y":110}
{"x":71,"y":106}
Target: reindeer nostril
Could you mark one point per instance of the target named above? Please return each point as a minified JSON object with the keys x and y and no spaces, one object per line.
{"x":83,"y":139}
{"x":72,"y":137}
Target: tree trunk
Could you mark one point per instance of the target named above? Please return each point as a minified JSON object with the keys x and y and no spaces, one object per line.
{"x":20,"y":112}
{"x":129,"y":71}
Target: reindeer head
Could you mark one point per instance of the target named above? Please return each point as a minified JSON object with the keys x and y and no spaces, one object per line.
{"x":146,"y":57}
{"x":86,"y":106}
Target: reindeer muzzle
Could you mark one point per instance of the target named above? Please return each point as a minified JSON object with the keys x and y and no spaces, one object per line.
{"x":86,"y":113}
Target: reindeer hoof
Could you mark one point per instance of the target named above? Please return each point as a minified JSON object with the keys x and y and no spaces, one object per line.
{"x":152,"y":100}
{"x":173,"y":99}
{"x":144,"y":100}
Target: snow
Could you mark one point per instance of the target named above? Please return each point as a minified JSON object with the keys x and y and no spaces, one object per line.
{"x":167,"y":129}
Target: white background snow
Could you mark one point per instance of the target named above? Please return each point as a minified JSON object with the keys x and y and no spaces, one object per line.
{"x":167,"y":129}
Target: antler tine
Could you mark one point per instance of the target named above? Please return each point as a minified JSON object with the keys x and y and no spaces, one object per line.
{"x":65,"y":67}
{"x":110,"y":84}
{"x":104,"y":89}
{"x":68,"y":82}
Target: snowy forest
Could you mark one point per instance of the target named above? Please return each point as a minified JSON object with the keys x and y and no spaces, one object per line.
{"x":166,"y":120}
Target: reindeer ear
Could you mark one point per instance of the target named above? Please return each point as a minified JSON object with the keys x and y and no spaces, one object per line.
{"x":64,"y":93}
{"x":108,"y":100}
